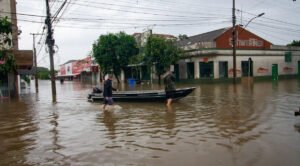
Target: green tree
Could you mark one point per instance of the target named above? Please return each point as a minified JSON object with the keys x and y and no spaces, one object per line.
{"x":43,"y":73}
{"x":182,"y":37}
{"x":294,"y":43}
{"x":7,"y":62}
{"x":113,"y":52}
{"x":162,"y":53}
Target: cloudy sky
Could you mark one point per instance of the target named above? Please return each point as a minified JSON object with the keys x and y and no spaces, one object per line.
{"x":81,"y":22}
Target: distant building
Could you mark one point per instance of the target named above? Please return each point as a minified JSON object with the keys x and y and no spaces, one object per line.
{"x":141,"y":71}
{"x":85,"y":70}
{"x":141,"y":38}
{"x":209,"y":56}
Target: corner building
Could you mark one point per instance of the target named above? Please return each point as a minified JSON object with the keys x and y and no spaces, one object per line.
{"x":208,"y":56}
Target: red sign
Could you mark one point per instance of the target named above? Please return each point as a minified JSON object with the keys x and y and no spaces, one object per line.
{"x":82,"y":65}
{"x":287,"y":69}
{"x":244,"y":39}
{"x":230,"y":71}
{"x":262,"y":70}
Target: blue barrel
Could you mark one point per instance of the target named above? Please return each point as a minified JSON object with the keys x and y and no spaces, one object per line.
{"x":131,"y":81}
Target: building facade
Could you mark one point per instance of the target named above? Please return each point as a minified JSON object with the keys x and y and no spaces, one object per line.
{"x":23,"y":58}
{"x":84,"y":70}
{"x":209,"y":56}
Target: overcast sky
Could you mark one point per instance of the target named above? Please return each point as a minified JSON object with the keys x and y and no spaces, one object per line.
{"x":81,"y":22}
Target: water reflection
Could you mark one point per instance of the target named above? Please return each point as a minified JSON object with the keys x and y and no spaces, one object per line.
{"x":55,"y":132}
{"x":246,"y":124}
{"x":17,"y":126}
{"x":170,"y":120}
{"x":109,"y":120}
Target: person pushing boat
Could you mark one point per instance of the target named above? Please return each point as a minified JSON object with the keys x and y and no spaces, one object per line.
{"x":169,"y":81}
{"x":107,"y":91}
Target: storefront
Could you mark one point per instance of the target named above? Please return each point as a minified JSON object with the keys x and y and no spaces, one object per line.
{"x":209,"y":56}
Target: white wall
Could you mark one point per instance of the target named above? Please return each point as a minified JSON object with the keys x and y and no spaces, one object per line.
{"x":262,"y":62}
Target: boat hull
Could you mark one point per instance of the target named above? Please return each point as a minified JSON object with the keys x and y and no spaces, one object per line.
{"x":142,"y":96}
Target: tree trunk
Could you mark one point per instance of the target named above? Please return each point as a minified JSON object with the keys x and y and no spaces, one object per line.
{"x":117,"y":78}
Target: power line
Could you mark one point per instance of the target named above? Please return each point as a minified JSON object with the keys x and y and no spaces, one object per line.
{"x":280,"y":21}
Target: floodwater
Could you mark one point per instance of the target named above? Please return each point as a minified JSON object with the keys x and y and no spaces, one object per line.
{"x":218,"y":124}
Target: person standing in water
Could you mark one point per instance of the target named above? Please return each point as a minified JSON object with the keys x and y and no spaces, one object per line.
{"x":169,"y":81}
{"x":107,"y":91}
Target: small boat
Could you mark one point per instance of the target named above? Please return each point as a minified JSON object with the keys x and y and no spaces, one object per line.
{"x":140,"y":96}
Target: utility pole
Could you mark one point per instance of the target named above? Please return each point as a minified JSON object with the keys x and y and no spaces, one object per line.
{"x":35,"y":62}
{"x":50,"y":43}
{"x":234,"y":41}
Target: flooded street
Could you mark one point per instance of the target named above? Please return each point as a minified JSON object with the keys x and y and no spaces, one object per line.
{"x":218,"y":124}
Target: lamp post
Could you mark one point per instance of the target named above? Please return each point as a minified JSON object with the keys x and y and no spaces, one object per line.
{"x":234,"y":37}
{"x":35,"y":62}
{"x":234,"y":41}
{"x":261,"y":14}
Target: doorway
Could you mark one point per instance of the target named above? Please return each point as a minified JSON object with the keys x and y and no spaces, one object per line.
{"x":274,"y":71}
{"x":223,"y":69}
{"x":190,"y":70}
{"x":247,"y":68}
{"x":206,"y":69}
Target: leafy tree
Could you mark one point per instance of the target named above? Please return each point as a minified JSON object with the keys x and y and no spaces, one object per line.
{"x":162,"y":53}
{"x":182,"y":37}
{"x":43,"y":73}
{"x":113,"y":52}
{"x":7,"y":62}
{"x":294,"y":43}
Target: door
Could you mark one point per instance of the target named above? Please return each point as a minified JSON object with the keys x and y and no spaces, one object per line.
{"x":223,"y":69}
{"x":247,"y":68}
{"x":206,"y":69}
{"x":190,"y":70}
{"x":274,"y":71}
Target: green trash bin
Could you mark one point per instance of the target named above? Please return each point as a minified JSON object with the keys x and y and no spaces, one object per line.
{"x":274,"y":72}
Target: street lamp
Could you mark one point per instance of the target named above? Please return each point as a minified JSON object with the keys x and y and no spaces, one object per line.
{"x":234,"y":38}
{"x":261,"y":14}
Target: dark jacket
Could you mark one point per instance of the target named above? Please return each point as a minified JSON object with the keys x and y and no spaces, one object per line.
{"x":107,"y":90}
{"x":169,"y":82}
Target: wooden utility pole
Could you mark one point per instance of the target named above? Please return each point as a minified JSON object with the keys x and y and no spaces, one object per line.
{"x":35,"y":62}
{"x":50,"y":43}
{"x":234,"y":41}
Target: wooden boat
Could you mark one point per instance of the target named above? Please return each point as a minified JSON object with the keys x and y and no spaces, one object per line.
{"x":141,"y":96}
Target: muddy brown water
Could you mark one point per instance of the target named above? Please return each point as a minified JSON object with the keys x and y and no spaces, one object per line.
{"x":218,"y":124}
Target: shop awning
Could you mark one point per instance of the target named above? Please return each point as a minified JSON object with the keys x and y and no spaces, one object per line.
{"x":23,"y":58}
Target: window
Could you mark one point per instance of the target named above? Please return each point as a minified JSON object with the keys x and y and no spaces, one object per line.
{"x":288,"y":56}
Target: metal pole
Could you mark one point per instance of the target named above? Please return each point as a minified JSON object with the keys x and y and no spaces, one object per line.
{"x":234,"y":42}
{"x":249,"y":67}
{"x":151,"y":67}
{"x":35,"y":62}
{"x":50,"y":43}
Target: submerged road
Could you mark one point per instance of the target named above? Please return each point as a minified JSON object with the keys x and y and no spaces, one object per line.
{"x":218,"y":124}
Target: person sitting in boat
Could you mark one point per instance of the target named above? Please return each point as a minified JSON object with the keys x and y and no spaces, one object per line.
{"x":107,"y":91}
{"x":169,"y":81}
